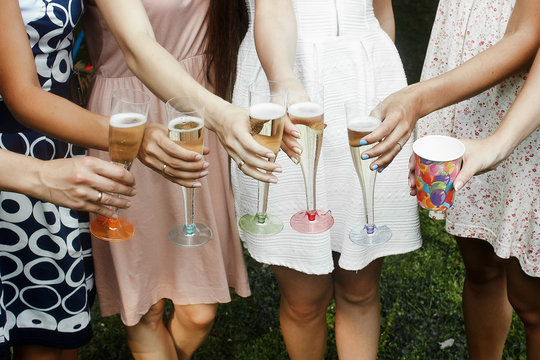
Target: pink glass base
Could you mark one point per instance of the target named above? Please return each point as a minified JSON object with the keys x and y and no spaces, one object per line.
{"x":312,"y":222}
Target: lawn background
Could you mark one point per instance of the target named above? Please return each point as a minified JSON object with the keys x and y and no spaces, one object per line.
{"x":420,"y":291}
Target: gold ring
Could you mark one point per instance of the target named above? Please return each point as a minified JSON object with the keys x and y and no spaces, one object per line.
{"x":99,"y":197}
{"x":400,"y":146}
{"x":241,"y":163}
{"x":163,"y":169}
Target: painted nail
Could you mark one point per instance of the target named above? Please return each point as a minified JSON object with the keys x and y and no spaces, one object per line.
{"x":197,"y":184}
{"x":296,"y":162}
{"x":205,"y":165}
{"x":365,"y":156}
{"x":203,"y":173}
{"x":270,"y":155}
{"x":381,"y":169}
{"x":374,"y":167}
{"x":297,"y":150}
{"x":278,"y":169}
{"x":198,"y":157}
{"x":273,"y":181}
{"x":363,"y":142}
{"x":296,"y":134}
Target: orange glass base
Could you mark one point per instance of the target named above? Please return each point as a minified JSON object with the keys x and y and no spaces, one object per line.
{"x":112,"y":230}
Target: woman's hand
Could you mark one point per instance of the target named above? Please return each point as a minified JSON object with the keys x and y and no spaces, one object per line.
{"x":399,"y":115}
{"x":234,"y":130}
{"x":481,"y":155}
{"x":167,"y":158}
{"x":85,"y":183}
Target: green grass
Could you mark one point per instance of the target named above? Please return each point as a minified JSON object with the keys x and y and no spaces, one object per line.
{"x":420,"y":301}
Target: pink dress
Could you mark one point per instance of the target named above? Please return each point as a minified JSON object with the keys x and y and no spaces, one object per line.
{"x":134,"y":274}
{"x":500,"y":206}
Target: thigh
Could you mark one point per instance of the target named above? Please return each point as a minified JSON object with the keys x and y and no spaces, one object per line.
{"x":300,"y":289}
{"x":358,"y":284}
{"x":523,"y":290}
{"x":481,"y":262}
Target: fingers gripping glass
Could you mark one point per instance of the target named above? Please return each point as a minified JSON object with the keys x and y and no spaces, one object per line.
{"x":359,"y":124}
{"x":306,"y":111}
{"x":186,"y":128}
{"x":129,"y":111}
{"x":267,"y":119}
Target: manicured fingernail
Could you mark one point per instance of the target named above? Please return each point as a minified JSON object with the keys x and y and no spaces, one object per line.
{"x":374,"y":167}
{"x":270,"y":155}
{"x":296,"y":134}
{"x":296,"y":162}
{"x":197,"y":184}
{"x":297,"y":150}
{"x":365,"y":156}
{"x":363,"y":142}
{"x":128,"y":203}
{"x":205,"y":165}
{"x":381,"y":169}
{"x":278,"y":169}
{"x":198,"y":157}
{"x":458,"y":185}
{"x":203,"y":173}
{"x":273,"y":181}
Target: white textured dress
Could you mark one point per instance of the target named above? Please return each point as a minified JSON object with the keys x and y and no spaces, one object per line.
{"x":340,"y":44}
{"x":500,"y":206}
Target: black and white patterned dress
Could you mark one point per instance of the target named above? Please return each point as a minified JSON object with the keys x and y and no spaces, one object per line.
{"x":45,"y":256}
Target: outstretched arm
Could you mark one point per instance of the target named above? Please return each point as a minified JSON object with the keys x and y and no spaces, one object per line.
{"x":402,"y":109}
{"x":521,"y":120}
{"x":167,"y":78}
{"x":275,"y":41}
{"x":75,"y":183}
{"x":29,"y":104}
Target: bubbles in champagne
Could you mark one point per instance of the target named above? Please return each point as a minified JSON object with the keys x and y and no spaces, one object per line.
{"x":364,"y":124}
{"x":185,"y":123}
{"x":126,"y":120}
{"x":266,"y":111}
{"x":305,"y":109}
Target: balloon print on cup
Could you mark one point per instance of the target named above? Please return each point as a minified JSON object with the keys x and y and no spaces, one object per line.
{"x":437,"y":163}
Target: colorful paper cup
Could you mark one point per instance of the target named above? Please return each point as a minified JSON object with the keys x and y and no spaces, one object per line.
{"x":437,"y":164}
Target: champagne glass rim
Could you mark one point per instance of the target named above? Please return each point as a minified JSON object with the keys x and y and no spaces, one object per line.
{"x":141,"y":97}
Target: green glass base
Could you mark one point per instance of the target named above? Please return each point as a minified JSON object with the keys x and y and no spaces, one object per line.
{"x":269,"y":225}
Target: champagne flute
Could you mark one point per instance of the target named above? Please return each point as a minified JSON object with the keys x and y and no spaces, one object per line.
{"x":359,"y":124}
{"x":129,"y":111}
{"x":306,"y":111}
{"x":267,"y":119}
{"x":186,"y":128}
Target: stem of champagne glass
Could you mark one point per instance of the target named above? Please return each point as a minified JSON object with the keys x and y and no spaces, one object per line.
{"x":309,"y":171}
{"x":189,"y":210}
{"x":369,"y":195}
{"x":262,"y":202}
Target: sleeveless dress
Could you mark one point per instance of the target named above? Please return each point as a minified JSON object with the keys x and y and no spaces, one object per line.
{"x":134,"y":274}
{"x":45,"y":254}
{"x":340,"y":44}
{"x":500,"y":206}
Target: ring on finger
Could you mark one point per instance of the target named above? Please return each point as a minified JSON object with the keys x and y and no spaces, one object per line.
{"x":163,"y":169}
{"x":400,"y":146}
{"x":99,"y":197}
{"x":241,"y":163}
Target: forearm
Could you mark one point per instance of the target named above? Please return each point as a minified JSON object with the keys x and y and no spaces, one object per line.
{"x":19,"y":172}
{"x":57,"y":117}
{"x":275,"y":38}
{"x":385,"y":14}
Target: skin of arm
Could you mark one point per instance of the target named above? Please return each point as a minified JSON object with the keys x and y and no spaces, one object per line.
{"x":385,"y":14}
{"x":167,"y":78}
{"x":33,"y":107}
{"x":275,"y":33}
{"x":520,"y":121}
{"x":74,"y":183}
{"x":402,"y":109}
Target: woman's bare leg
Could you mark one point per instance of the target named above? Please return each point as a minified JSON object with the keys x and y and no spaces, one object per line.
{"x":304,"y":301}
{"x":189,"y":326}
{"x":524,"y":295}
{"x":357,"y":311}
{"x":486,"y":309}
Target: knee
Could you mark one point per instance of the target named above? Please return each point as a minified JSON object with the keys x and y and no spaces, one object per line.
{"x":302,"y":311}
{"x":199,"y":316}
{"x":154,"y":315}
{"x":366,"y":298}
{"x":528,"y":312}
{"x":482,"y":275}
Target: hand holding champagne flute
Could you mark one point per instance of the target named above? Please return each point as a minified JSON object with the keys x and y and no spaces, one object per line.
{"x":129,"y":110}
{"x":267,"y":118}
{"x":186,"y":128}
{"x":359,"y":124}
{"x":306,"y":111}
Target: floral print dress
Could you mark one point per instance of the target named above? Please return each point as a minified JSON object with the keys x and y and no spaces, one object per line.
{"x":500,"y":206}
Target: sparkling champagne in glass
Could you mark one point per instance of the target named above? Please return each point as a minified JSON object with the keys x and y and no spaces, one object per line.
{"x":186,"y":128}
{"x":267,"y":118}
{"x":129,"y":110}
{"x":359,"y":124}
{"x":306,"y":110}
